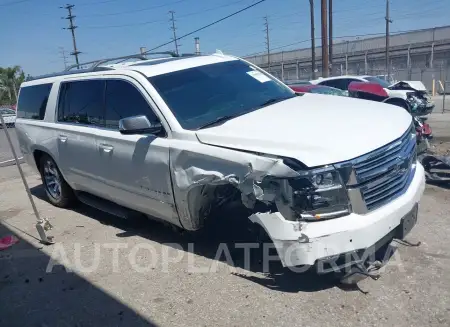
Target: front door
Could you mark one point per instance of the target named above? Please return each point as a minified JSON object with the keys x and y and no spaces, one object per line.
{"x":80,"y":114}
{"x":135,"y":168}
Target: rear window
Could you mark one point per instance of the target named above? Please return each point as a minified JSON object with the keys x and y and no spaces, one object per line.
{"x":33,"y":101}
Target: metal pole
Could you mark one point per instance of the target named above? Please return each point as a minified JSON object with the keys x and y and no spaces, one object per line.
{"x":72,"y":28}
{"x":266,"y":24}
{"x":42,"y":224}
{"x":365,"y":64}
{"x":388,"y":21}
{"x":296,"y":70}
{"x":325,"y":67}
{"x":174,"y":32}
{"x":313,"y":41}
{"x":346,"y":59}
{"x":330,"y":36}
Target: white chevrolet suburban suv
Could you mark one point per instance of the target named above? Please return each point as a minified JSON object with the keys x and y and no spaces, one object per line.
{"x":175,"y":137}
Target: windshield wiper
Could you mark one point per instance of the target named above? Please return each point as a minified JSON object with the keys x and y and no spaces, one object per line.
{"x":218,"y":120}
{"x":272,"y":101}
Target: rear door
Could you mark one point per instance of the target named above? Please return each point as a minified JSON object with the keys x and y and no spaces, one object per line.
{"x":80,"y":115}
{"x":134,"y":168}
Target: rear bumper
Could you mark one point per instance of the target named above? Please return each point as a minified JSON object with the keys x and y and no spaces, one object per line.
{"x":308,"y":243}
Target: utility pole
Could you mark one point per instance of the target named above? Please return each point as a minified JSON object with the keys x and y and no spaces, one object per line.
{"x":266,"y":25}
{"x":63,"y":54}
{"x":197,"y":45}
{"x":388,"y":21}
{"x":330,"y":34}
{"x":313,"y":41}
{"x":325,"y":67}
{"x":172,"y":19}
{"x":72,"y":28}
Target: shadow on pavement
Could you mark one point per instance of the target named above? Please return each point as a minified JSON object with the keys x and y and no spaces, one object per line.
{"x":32,"y":297}
{"x":227,"y":227}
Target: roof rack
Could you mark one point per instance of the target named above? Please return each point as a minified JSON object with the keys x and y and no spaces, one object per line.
{"x":96,"y":65}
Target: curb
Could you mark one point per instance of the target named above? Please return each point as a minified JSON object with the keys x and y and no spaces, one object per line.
{"x":11,"y":162}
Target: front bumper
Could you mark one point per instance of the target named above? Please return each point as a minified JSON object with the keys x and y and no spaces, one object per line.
{"x":301,"y":243}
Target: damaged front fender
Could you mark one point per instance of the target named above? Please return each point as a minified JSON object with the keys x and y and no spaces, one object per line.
{"x":196,"y":176}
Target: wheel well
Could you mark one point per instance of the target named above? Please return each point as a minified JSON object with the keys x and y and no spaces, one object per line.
{"x":398,"y":102}
{"x":37,"y":154}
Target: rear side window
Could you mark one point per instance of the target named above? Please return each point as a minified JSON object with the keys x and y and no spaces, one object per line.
{"x":341,"y":83}
{"x":33,"y":101}
{"x":124,"y":100}
{"x":82,"y":102}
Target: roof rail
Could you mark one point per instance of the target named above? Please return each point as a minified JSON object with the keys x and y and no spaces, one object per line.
{"x":97,"y":63}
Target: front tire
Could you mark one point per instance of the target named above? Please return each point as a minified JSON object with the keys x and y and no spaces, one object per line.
{"x":58,"y":192}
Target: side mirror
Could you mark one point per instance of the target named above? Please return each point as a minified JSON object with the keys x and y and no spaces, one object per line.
{"x":138,"y":125}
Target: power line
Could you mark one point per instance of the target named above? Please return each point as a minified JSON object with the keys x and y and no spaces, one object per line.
{"x":13,"y":3}
{"x":173,"y":28}
{"x":72,"y":28}
{"x":335,"y":37}
{"x":96,"y":2}
{"x":209,"y":25}
{"x":155,"y":21}
{"x":134,"y":10}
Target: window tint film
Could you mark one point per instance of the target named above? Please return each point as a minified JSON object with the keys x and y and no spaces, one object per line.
{"x":82,"y":102}
{"x":200,"y":95}
{"x":33,"y":101}
{"x":124,"y":100}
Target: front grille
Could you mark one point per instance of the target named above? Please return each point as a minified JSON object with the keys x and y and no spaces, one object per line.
{"x":387,"y":172}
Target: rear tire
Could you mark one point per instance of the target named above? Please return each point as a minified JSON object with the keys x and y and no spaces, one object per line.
{"x":58,"y":192}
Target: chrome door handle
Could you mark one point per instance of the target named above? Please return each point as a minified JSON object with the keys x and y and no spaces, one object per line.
{"x":63,"y":138}
{"x":106,"y":148}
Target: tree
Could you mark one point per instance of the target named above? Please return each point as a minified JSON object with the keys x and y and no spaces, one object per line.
{"x":10,"y":80}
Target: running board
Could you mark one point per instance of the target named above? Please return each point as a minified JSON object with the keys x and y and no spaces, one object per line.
{"x":104,"y":205}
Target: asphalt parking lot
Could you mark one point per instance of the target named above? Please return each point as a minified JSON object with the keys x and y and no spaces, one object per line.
{"x":134,"y":287}
{"x":141,"y":273}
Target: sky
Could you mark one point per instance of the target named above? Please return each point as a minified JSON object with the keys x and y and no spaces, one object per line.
{"x":33,"y":37}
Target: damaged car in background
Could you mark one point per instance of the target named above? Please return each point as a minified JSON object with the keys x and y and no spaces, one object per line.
{"x":176,"y":138}
{"x":410,"y":95}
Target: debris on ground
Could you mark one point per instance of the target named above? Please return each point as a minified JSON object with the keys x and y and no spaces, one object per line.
{"x":8,"y":241}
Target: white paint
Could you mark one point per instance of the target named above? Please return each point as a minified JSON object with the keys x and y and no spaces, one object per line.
{"x":155,"y":175}
{"x":335,"y":236}
{"x":315,"y":129}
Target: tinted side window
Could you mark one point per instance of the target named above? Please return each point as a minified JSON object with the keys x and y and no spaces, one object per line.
{"x":82,"y":102}
{"x":124,"y":100}
{"x":33,"y":101}
{"x":341,"y":83}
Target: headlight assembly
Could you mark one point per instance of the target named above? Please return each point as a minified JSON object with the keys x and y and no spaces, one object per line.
{"x":316,"y":194}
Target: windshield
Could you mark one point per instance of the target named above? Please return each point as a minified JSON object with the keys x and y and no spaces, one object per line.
{"x":200,"y":95}
{"x":377,"y":80}
{"x":327,"y":90}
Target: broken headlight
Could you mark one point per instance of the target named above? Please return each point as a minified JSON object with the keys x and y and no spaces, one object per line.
{"x":317,"y":194}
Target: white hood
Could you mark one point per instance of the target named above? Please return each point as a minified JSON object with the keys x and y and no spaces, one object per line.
{"x":314,"y":129}
{"x":415,"y":85}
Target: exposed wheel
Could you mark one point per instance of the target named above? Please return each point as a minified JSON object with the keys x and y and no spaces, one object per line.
{"x":59,"y":193}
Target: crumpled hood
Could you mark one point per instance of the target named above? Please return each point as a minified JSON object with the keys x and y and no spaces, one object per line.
{"x":414,"y":85}
{"x":314,"y":129}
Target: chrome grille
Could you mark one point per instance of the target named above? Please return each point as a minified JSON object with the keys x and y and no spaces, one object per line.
{"x":386,"y":173}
